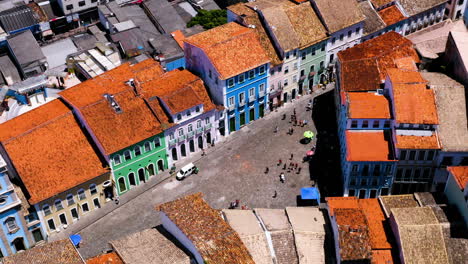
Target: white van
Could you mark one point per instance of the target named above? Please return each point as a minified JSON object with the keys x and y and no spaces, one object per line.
{"x":186,"y":171}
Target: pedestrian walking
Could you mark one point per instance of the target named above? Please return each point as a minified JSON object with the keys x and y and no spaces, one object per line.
{"x":292,"y":131}
{"x":284,"y":167}
{"x":294,"y":111}
{"x":299,"y":170}
{"x":203,"y":152}
{"x":292,"y":156}
{"x":267,"y":170}
{"x":275,"y":195}
{"x":282,"y":178}
{"x":117,"y":200}
{"x":276,"y":129}
{"x":279,"y":162}
{"x":284,"y":117}
{"x":295,"y":122}
{"x":296,"y":165}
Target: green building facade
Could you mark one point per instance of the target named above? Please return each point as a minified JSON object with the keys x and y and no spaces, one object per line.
{"x":312,"y":60}
{"x":139,"y":162}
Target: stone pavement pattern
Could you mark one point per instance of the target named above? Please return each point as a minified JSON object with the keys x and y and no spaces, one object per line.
{"x":233,"y":169}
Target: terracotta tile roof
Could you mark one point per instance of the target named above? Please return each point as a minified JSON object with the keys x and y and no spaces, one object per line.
{"x":180,"y":90}
{"x":417,"y":142}
{"x":397,"y":201}
{"x":379,"y":3}
{"x":232,"y":48}
{"x":363,"y":67}
{"x":61,"y":251}
{"x":375,"y":218}
{"x":367,"y":105}
{"x":214,"y":239}
{"x":339,"y":14}
{"x":382,"y":257}
{"x":413,"y":102}
{"x":62,"y":156}
{"x":406,"y":63}
{"x":415,"y":7}
{"x":306,"y":24}
{"x":281,"y":27}
{"x":460,"y":174}
{"x":179,"y":37}
{"x":116,"y":131}
{"x":341,"y":202}
{"x":38,"y":116}
{"x":353,"y":234}
{"x":372,"y":22}
{"x":368,"y":146}
{"x":250,"y":17}
{"x":391,"y":15}
{"x":109,"y":258}
{"x":111,"y":82}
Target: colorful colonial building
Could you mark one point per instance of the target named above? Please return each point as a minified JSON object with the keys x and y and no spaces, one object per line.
{"x":235,"y":67}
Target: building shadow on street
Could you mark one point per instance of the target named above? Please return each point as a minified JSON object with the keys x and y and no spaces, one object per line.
{"x":324,"y":166}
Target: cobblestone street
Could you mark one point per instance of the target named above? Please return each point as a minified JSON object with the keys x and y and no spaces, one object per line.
{"x":233,"y":169}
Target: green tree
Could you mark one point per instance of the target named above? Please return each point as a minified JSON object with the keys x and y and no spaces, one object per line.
{"x":209,"y":19}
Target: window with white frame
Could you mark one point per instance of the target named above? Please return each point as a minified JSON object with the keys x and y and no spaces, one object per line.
{"x":198,"y":123}
{"x":70,"y":200}
{"x":231,"y":101}
{"x":181,"y":132}
{"x":179,"y":117}
{"x":127,"y":155}
{"x":251,"y":92}
{"x":285,"y":82}
{"x":93,"y":189}
{"x":58,"y":205}
{"x":295,"y":66}
{"x":171,"y":136}
{"x":137,"y":150}
{"x":46,"y":209}
{"x":261,"y":88}
{"x":251,"y":74}
{"x":241,"y":98}
{"x":188,"y":113}
{"x":197,"y":109}
{"x":241,"y":78}
{"x":147,"y":146}
{"x":10,"y":222}
{"x":190,"y":128}
{"x":261,"y":70}
{"x":51,"y":224}
{"x":286,"y":69}
{"x":207,"y":120}
{"x":157,"y":142}
{"x":287,"y":55}
{"x":117,"y":159}
{"x":81,"y":194}
{"x":231,"y":82}
{"x":313,"y":51}
{"x":304,"y":54}
{"x":295,"y":78}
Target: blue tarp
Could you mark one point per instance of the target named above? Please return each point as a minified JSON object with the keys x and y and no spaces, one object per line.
{"x":75,"y":239}
{"x":310,"y":193}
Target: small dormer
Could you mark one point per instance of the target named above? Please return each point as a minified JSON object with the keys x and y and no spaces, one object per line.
{"x":113,"y":103}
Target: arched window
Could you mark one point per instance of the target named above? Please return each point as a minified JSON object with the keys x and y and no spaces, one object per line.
{"x":117,"y":160}
{"x":46,"y":209}
{"x":122,"y":186}
{"x":157,"y":142}
{"x":11,"y":225}
{"x":58,"y":205}
{"x":137,"y":150}
{"x":127,"y":155}
{"x":147,"y":146}
{"x":3,"y":199}
{"x":93,"y":189}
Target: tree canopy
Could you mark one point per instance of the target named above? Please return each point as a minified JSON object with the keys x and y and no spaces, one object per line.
{"x":209,"y":19}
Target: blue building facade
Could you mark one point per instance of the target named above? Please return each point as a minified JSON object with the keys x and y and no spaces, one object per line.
{"x":16,"y":229}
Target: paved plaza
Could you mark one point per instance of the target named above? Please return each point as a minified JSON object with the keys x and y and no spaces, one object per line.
{"x":233,"y":169}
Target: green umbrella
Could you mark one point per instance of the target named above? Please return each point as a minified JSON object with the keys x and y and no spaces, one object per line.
{"x":309,"y":134}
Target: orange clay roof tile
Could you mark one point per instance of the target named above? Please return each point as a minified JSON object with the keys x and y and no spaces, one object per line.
{"x":382,"y":257}
{"x":62,"y":156}
{"x":180,"y":90}
{"x":232,"y":48}
{"x":413,"y":103}
{"x":353,"y":234}
{"x":406,"y":63}
{"x":367,"y":105}
{"x":341,"y":202}
{"x":116,"y":131}
{"x":460,"y":174}
{"x":375,"y":218}
{"x":213,"y":237}
{"x":179,"y":37}
{"x":368,"y":146}
{"x":363,"y":67}
{"x":109,"y":258}
{"x":391,"y":15}
{"x":417,"y":142}
{"x":379,"y":3}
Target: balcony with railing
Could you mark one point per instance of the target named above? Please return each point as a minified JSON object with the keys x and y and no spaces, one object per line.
{"x":261,"y":93}
{"x":208,"y":126}
{"x":181,"y":138}
{"x":199,"y":130}
{"x":172,"y":142}
{"x":190,"y":134}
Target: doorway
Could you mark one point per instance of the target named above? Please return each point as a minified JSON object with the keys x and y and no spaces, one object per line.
{"x":131,"y":178}
{"x":141,"y":175}
{"x":232,"y":124}
{"x":174,"y":154}
{"x":300,"y":87}
{"x":63,"y":219}
{"x":261,"y":110}
{"x":183,"y":152}
{"x":200,"y":142}
{"x":242,"y":119}
{"x":18,"y":243}
{"x":74,"y":213}
{"x":293,"y":96}
{"x":285,"y":97}
{"x":160,"y":165}
{"x":362,"y":194}
{"x":96,"y":203}
{"x":151,"y":171}
{"x":208,"y":138}
{"x":192,"y":146}
{"x":251,"y":115}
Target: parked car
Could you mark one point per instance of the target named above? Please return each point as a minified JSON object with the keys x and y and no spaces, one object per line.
{"x":186,"y":171}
